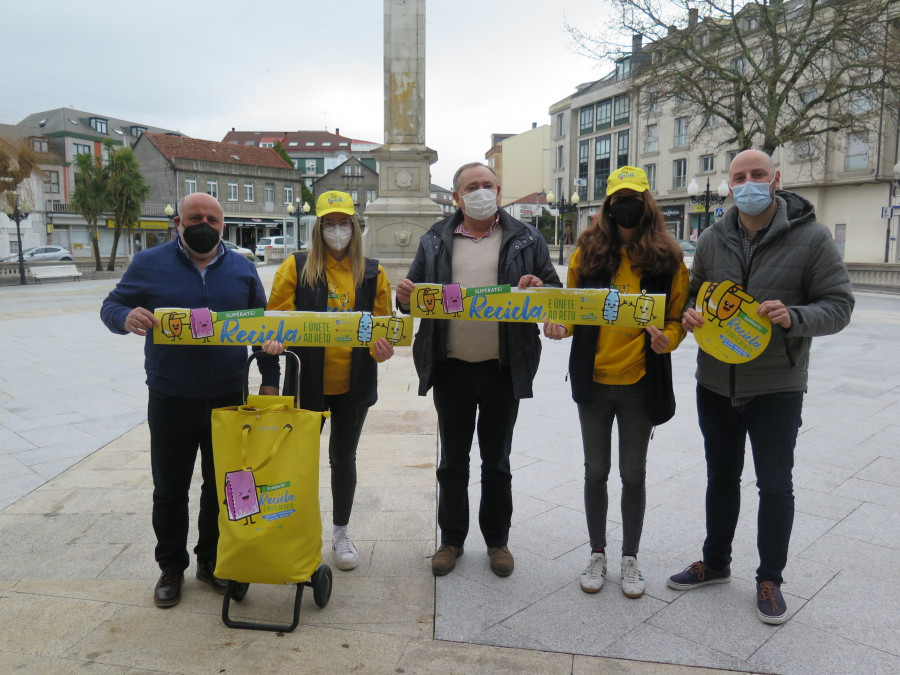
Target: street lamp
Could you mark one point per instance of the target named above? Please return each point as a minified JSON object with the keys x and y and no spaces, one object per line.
{"x":561,"y":206}
{"x":706,"y":197}
{"x":18,"y":214}
{"x":290,"y":209}
{"x":895,"y":188}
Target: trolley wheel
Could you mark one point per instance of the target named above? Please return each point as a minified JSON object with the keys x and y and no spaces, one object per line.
{"x":239,"y":590}
{"x":321,"y":584}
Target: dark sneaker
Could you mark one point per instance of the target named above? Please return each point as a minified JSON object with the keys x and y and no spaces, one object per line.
{"x":698,"y":574}
{"x":205,"y":574}
{"x":502,"y":561}
{"x":444,"y":559}
{"x":770,"y":604}
{"x":168,"y":589}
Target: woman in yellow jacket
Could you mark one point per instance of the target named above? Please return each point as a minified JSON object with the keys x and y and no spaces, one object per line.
{"x":335,"y":277}
{"x":622,"y":373}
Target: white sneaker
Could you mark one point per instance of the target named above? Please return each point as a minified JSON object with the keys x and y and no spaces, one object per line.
{"x":594,"y":574}
{"x":632,"y":579}
{"x":345,"y":554}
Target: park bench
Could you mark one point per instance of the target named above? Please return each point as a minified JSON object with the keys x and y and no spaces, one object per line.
{"x":54,"y":272}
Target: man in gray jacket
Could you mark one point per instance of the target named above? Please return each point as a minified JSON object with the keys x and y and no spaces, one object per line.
{"x":771,"y":244}
{"x":479,"y":369}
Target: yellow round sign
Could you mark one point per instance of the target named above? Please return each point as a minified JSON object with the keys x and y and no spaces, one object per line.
{"x":732,"y":331}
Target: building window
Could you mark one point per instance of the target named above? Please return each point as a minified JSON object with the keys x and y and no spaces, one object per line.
{"x":357,"y":170}
{"x":651,"y":138}
{"x":729,"y":157}
{"x":288,"y":194}
{"x":39,"y":144}
{"x":371,"y":196}
{"x":622,"y":149}
{"x":248,"y":192}
{"x":232,"y":191}
{"x":584,"y":148}
{"x":311,"y":166}
{"x":651,"y":100}
{"x":703,"y":39}
{"x":679,"y":173}
{"x":860,"y":103}
{"x":559,"y":124}
{"x":81,"y":149}
{"x":51,"y":183}
{"x":137,"y":131}
{"x":270,"y":193}
{"x":190,"y":186}
{"x":559,"y":156}
{"x":586,"y":119}
{"x":681,"y":131}
{"x":739,"y":64}
{"x":604,"y":114}
{"x":707,"y":164}
{"x":804,"y":149}
{"x":650,"y":170}
{"x":601,"y":165}
{"x":623,"y":69}
{"x":212,"y":188}
{"x":348,"y":170}
{"x":267,"y":145}
{"x":857,"y":152}
{"x":354,"y":196}
{"x":622,"y":109}
{"x":98,"y":124}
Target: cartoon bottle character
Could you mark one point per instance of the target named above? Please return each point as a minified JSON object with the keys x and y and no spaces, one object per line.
{"x":395,"y":329}
{"x":611,"y":306}
{"x":364,"y":331}
{"x":240,"y":496}
{"x":451,"y":297}
{"x":725,"y":301}
{"x":425,"y":300}
{"x":202,"y":324}
{"x":171,"y":324}
{"x":643,"y":308}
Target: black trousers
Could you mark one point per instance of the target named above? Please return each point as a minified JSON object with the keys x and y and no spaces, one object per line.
{"x":346,"y":428}
{"x":178,"y":427}
{"x":470,"y":396}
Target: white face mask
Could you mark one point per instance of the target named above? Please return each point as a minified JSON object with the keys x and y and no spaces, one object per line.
{"x":337,"y":237}
{"x":480,"y":204}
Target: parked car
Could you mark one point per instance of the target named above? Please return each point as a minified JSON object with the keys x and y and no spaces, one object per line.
{"x":49,"y":252}
{"x":688,"y":247}
{"x":276,"y":242}
{"x":240,"y":250}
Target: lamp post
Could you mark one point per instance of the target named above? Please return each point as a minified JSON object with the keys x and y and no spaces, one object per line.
{"x":18,"y":214}
{"x":290,"y":209}
{"x":895,"y":188}
{"x":706,"y":197}
{"x":170,"y":212}
{"x":561,"y":206}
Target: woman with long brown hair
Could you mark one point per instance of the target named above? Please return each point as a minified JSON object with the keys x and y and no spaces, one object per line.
{"x":623,"y":373}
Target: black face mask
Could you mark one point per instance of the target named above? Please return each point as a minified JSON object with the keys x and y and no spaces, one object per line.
{"x":627,"y":212}
{"x":201,"y":238}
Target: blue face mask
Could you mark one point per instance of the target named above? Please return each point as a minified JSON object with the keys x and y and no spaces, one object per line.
{"x":752,"y":198}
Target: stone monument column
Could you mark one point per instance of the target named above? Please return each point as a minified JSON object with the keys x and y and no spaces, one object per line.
{"x":403,"y":210}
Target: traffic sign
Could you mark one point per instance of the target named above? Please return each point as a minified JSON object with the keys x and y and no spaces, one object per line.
{"x":720,"y":212}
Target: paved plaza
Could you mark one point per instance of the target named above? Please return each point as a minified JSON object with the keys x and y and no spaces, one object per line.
{"x":77,"y":569}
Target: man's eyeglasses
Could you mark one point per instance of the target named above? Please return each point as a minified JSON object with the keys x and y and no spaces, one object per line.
{"x":331,"y":224}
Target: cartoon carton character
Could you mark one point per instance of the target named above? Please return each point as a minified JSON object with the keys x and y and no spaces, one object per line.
{"x":425,"y":300}
{"x":171,"y":324}
{"x":725,"y":301}
{"x":240,"y":496}
{"x":202,"y":324}
{"x":451,"y":297}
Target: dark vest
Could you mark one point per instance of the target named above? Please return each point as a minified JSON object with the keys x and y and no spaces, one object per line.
{"x":363,"y":368}
{"x":659,"y":394}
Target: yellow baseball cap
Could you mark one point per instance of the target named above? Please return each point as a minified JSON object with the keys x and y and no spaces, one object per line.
{"x":629,"y":177}
{"x":334,"y":201}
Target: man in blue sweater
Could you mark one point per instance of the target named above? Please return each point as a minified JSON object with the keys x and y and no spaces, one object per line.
{"x":187,"y":382}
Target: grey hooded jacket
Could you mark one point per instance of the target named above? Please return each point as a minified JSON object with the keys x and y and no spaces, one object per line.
{"x":798,"y":263}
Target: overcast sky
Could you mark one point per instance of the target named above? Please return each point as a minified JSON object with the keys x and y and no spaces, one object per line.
{"x":202,"y":67}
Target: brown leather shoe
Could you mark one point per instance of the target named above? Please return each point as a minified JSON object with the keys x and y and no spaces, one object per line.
{"x":502,"y":561}
{"x":168,"y":589}
{"x":205,"y":574}
{"x":444,"y":559}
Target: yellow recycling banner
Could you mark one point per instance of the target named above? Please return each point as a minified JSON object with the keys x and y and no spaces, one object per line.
{"x":583,"y":306}
{"x":201,"y":326}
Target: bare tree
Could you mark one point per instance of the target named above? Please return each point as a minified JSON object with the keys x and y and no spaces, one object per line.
{"x":17,"y":163}
{"x":769,"y":71}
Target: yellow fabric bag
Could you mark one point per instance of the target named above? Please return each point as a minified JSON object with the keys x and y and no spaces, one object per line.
{"x":267,"y":479}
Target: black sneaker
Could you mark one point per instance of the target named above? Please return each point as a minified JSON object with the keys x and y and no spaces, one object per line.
{"x":770,"y":604}
{"x":698,"y":574}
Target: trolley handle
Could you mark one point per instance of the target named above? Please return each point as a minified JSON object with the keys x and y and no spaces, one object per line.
{"x":257,"y":354}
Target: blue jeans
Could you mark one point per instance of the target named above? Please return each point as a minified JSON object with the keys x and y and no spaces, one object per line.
{"x":178,"y":427}
{"x":463,"y":393}
{"x":627,"y":405}
{"x":771,"y":421}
